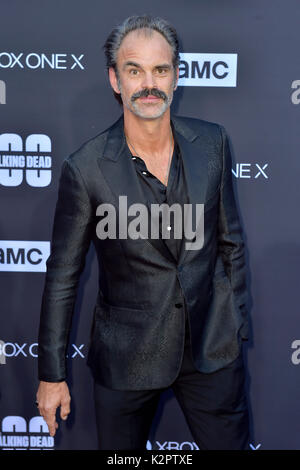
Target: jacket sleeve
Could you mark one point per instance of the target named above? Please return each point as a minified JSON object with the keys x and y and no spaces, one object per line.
{"x":230,"y":236}
{"x":71,"y":236}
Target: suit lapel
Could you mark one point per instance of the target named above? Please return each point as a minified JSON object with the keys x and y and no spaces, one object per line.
{"x":195,"y":164}
{"x":120,"y":174}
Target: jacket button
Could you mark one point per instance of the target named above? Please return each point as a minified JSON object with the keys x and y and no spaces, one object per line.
{"x":179,"y":305}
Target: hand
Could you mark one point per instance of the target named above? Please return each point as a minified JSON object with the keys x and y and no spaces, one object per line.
{"x":50,"y":396}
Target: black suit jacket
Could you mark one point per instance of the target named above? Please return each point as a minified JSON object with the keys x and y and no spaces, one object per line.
{"x":137,"y":336}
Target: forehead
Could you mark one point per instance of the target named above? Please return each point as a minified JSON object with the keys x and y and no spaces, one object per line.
{"x":144,"y":47}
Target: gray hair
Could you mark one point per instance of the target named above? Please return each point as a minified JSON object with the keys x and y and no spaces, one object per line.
{"x":134,"y":23}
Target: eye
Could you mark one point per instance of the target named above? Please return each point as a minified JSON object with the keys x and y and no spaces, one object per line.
{"x":133,"y":71}
{"x":161,"y":70}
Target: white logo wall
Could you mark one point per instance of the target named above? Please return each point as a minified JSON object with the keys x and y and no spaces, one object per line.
{"x":33,"y":60}
{"x":25,"y":256}
{"x":250,"y":170}
{"x":9,"y":349}
{"x":16,"y":434}
{"x":219,"y":70}
{"x":29,"y":160}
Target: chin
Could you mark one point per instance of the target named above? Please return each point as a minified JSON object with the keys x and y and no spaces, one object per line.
{"x":151,"y":114}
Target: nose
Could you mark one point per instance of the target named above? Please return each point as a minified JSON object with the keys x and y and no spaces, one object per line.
{"x":148,"y":80}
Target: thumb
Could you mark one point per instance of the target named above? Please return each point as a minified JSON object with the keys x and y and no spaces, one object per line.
{"x":64,"y":410}
{"x":63,"y":414}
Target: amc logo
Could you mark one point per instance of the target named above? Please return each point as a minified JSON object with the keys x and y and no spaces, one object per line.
{"x":208,"y":70}
{"x":25,"y":256}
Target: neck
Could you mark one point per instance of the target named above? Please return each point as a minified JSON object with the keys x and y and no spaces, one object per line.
{"x":149,"y":136}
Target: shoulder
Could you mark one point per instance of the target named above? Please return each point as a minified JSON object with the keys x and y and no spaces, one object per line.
{"x":211,"y":133}
{"x":196,"y":125}
{"x":91,"y":149}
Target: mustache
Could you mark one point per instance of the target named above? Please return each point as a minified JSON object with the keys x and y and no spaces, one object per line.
{"x":149,"y":91}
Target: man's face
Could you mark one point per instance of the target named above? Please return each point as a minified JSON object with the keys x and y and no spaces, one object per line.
{"x":146,"y":77}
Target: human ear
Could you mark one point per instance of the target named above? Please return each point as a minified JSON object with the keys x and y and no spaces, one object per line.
{"x":177,"y":77}
{"x":112,"y":74}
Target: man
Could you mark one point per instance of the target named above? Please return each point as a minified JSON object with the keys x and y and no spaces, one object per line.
{"x":168,"y":314}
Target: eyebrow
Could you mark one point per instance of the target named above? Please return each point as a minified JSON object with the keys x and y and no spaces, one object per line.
{"x":135,"y":64}
{"x":130,"y":64}
{"x":163,"y":66}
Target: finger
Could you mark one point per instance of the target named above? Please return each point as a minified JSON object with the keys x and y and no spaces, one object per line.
{"x":52,"y":426}
{"x":49,"y":417}
{"x":52,"y":429}
{"x":65,"y":408}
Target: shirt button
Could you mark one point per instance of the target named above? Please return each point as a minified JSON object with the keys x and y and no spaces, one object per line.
{"x":178,"y":305}
{"x":133,"y":158}
{"x":144,"y":172}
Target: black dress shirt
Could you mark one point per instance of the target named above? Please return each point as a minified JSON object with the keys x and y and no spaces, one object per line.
{"x":175,"y":192}
{"x":156,"y":192}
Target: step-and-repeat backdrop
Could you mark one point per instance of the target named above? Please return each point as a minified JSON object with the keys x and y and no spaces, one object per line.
{"x":239,"y":68}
